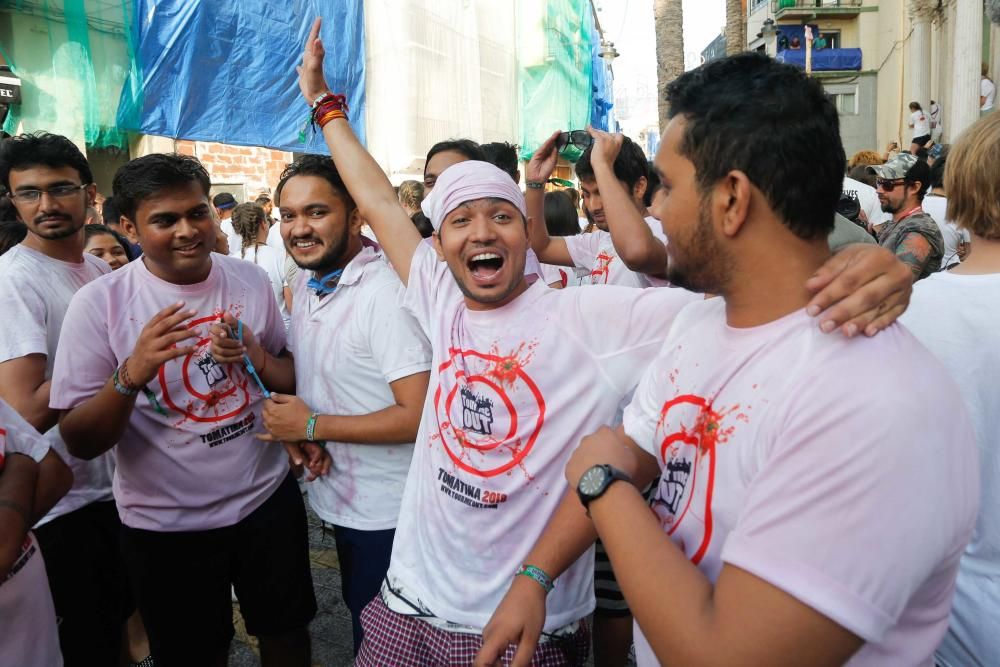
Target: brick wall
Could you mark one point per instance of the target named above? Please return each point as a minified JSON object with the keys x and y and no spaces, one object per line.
{"x":256,"y":168}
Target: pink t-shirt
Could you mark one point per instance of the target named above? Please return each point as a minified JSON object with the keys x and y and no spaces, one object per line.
{"x":596,"y":253}
{"x":512,"y":391}
{"x":810,"y":461}
{"x":29,"y":637}
{"x":199,"y":466}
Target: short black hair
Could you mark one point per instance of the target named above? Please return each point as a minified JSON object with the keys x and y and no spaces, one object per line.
{"x":467,"y":147}
{"x":770,"y":121}
{"x":503,"y":156}
{"x":936,"y":175}
{"x":224,"y":200}
{"x":560,"y":214}
{"x":12,"y":232}
{"x":41,"y":149}
{"x":97,"y":230}
{"x":630,"y":165}
{"x":920,"y":173}
{"x":315,"y":165}
{"x":652,"y":185}
{"x":143,"y":177}
{"x":109,"y":212}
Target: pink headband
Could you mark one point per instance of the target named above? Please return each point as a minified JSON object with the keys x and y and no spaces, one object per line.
{"x":468,"y":181}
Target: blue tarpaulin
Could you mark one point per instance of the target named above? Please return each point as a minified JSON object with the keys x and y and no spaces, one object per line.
{"x":225,"y":71}
{"x":601,"y":89}
{"x":824,"y":60}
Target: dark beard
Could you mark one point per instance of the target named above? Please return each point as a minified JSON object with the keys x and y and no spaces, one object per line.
{"x":706,"y":267}
{"x":331,"y":258}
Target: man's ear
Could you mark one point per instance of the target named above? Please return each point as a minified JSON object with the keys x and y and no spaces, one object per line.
{"x":732,"y":195}
{"x":639,"y":190}
{"x":129,"y":227}
{"x":437,"y":244}
{"x":91,"y":191}
{"x":354,"y":221}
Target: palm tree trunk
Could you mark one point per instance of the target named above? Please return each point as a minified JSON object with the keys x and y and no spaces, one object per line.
{"x":736,"y":38}
{"x":668,"y":17}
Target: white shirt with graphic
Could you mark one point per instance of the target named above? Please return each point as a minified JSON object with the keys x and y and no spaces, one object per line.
{"x":498,"y":427}
{"x":30,"y":637}
{"x":809,"y":461}
{"x":35,"y":292}
{"x":349,"y":346}
{"x":595,"y":252}
{"x":188,"y":459}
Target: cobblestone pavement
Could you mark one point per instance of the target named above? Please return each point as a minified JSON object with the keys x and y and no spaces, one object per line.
{"x":331,"y":629}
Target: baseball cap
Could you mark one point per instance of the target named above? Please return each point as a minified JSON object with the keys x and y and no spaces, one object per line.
{"x":897,"y":167}
{"x":223,"y":201}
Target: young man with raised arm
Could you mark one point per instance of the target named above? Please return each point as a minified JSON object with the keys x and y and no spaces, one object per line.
{"x":205,"y":506}
{"x":361,"y":371}
{"x":628,"y":247}
{"x":500,"y":419}
{"x":51,"y":186}
{"x":792,"y":524}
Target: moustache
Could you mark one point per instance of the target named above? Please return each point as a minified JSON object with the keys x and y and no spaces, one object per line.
{"x":44,"y":218}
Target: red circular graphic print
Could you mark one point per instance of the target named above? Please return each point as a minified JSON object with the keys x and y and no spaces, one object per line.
{"x":211,"y":405}
{"x":471,"y":401}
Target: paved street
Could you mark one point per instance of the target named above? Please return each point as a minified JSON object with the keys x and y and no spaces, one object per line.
{"x":331,"y":629}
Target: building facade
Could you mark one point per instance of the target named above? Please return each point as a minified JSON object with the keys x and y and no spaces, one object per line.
{"x":890,"y":53}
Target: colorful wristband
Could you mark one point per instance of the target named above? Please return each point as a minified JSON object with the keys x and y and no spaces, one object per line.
{"x":121,"y":388}
{"x":536,"y":185}
{"x":537,"y":574}
{"x":311,"y":427}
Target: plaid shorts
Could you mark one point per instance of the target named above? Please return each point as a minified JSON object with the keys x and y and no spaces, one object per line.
{"x":407,"y":641}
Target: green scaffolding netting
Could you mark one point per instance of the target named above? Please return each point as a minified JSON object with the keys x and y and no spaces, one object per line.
{"x":72,"y":58}
{"x":554,"y":53}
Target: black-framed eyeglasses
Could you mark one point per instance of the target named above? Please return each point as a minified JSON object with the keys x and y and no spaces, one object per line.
{"x":888,"y":184}
{"x":579,"y":138}
{"x":58,"y":191}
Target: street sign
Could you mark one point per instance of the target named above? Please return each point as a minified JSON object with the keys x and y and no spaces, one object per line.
{"x":10,"y":90}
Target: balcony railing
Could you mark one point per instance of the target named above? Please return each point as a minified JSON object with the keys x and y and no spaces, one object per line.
{"x":812,"y":8}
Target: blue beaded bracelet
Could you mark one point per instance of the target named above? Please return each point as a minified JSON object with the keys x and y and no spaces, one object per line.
{"x":537,"y":574}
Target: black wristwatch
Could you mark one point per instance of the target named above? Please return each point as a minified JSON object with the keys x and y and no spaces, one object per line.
{"x":596,"y":480}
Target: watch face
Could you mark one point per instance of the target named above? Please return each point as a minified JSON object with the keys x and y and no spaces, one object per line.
{"x":592,"y":480}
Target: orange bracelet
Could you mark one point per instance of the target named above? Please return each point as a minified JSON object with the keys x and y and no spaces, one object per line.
{"x":328,"y":116}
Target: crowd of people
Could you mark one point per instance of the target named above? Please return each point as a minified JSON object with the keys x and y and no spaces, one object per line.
{"x":691,"y":412}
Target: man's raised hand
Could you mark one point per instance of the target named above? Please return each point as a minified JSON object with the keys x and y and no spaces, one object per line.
{"x":606,"y":146}
{"x":312,"y":82}
{"x":543,"y":162}
{"x":157,"y":343}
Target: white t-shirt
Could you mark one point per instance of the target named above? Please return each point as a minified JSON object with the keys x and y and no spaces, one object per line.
{"x":595,"y":252}
{"x":936,"y":116}
{"x":498,"y":427}
{"x":276,"y":243}
{"x":266,"y":258}
{"x":937,"y":207}
{"x":348,"y":347}
{"x":956,"y":317}
{"x":35,"y":291}
{"x":987,"y":90}
{"x":235,"y":240}
{"x":199,"y":466}
{"x":921,"y":124}
{"x":868,"y":198}
{"x":30,"y":637}
{"x":569,"y":276}
{"x":810,"y":461}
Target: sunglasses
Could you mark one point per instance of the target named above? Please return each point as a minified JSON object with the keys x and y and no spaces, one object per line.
{"x":579,"y":138}
{"x":888,"y":184}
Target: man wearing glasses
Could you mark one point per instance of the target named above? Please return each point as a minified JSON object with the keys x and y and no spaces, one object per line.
{"x":901,"y":184}
{"x":51,"y":185}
